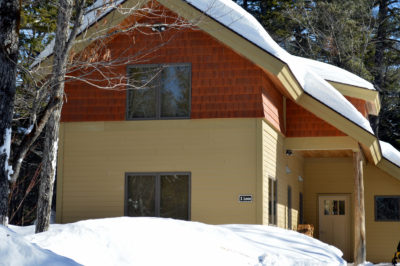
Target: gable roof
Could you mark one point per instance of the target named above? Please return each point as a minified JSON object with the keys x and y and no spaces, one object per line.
{"x":305,"y":80}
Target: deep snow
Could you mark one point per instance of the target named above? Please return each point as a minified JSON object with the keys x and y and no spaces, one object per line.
{"x":160,"y":241}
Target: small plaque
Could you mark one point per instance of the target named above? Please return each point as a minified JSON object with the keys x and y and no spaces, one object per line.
{"x":245,"y":198}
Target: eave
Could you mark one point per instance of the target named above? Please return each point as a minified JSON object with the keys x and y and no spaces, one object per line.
{"x":370,"y":96}
{"x":279,"y":69}
{"x":389,"y":168}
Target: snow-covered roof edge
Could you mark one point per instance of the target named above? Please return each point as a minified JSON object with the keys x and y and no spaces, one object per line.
{"x":238,"y":20}
{"x":313,"y":79}
{"x":390,"y":153}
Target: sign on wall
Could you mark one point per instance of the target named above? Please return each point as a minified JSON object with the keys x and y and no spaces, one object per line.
{"x":245,"y":198}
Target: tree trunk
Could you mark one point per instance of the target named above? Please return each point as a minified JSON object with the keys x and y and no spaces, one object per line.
{"x":359,"y":211}
{"x":52,"y":128}
{"x":48,"y":172}
{"x":381,"y":35}
{"x":9,"y":23}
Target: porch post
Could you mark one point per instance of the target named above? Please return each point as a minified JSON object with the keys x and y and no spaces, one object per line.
{"x":359,"y":212}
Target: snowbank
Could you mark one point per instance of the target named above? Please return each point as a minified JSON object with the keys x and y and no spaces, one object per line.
{"x":159,"y":241}
{"x":15,"y":250}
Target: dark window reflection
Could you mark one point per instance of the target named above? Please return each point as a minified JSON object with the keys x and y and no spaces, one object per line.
{"x":141,"y":196}
{"x":159,"y":91}
{"x":387,"y":208}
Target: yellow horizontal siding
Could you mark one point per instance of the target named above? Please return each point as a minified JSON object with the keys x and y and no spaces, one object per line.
{"x":219,"y":153}
{"x":274,"y":166}
{"x":382,"y":237}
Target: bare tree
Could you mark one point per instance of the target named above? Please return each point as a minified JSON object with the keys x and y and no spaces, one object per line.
{"x":92,"y":64}
{"x":9,"y":23}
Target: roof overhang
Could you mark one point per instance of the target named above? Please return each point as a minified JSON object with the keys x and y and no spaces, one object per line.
{"x":389,"y":168}
{"x":268,"y":63}
{"x":370,"y":96}
{"x":278,"y":68}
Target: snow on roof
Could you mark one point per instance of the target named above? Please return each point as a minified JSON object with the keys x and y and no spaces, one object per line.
{"x":390,"y":152}
{"x":240,"y":21}
{"x":162,"y":241}
{"x":336,"y":74}
{"x":237,"y":19}
{"x":96,"y":11}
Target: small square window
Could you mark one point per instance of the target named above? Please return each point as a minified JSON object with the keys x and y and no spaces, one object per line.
{"x":387,"y":208}
{"x":158,"y":91}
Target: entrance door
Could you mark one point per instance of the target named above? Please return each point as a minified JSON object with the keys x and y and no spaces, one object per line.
{"x":334,"y":222}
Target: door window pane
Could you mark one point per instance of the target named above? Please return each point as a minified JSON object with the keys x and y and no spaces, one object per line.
{"x":141,"y":196}
{"x":327,"y":207}
{"x":335,"y":208}
{"x":174,"y":196}
{"x":175,"y":91}
{"x":342,"y":207}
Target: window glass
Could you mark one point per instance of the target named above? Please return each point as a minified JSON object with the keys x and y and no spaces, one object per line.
{"x":272,"y":201}
{"x":141,"y":102}
{"x":158,"y":195}
{"x":342,"y":207}
{"x":175,"y":91}
{"x":159,"y":91}
{"x":327,"y":207}
{"x":174,"y":196}
{"x":141,"y":196}
{"x":387,"y":208}
{"x":335,"y":207}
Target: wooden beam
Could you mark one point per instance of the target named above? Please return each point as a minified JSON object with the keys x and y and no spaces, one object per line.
{"x":359,"y":211}
{"x":321,"y":143}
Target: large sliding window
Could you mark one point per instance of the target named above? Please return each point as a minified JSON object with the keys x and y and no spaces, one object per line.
{"x":159,"y":91}
{"x":158,"y":195}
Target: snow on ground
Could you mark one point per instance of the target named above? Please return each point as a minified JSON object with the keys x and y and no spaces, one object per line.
{"x":15,"y":250}
{"x":160,"y":241}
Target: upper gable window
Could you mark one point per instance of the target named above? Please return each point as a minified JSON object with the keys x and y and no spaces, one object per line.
{"x":159,"y":91}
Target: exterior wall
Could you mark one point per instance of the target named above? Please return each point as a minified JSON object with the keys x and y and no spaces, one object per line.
{"x":275,"y":160}
{"x":336,"y":176}
{"x":324,"y":176}
{"x":302,"y":123}
{"x":224,"y":84}
{"x":382,"y":237}
{"x":219,"y":153}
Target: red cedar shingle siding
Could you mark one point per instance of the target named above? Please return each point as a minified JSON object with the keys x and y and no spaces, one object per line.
{"x":359,"y":104}
{"x":302,"y":123}
{"x":224,"y":84}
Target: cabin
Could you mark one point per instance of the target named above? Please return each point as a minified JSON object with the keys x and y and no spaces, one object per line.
{"x":218,"y":124}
